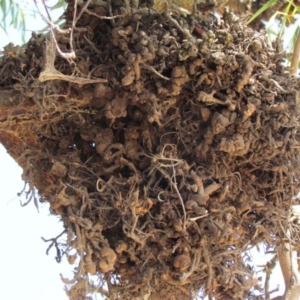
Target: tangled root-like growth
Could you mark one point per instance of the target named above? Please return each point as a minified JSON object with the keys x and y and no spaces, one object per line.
{"x":167,"y":142}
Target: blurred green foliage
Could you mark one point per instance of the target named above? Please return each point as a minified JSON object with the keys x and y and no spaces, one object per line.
{"x":288,"y":16}
{"x":14,"y":12}
{"x":283,"y":24}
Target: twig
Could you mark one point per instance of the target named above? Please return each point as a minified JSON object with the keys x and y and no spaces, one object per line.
{"x":185,"y":32}
{"x":109,"y":8}
{"x":197,"y":218}
{"x":50,"y":73}
{"x":131,"y":232}
{"x":174,"y":185}
{"x":102,"y":17}
{"x":154,"y":71}
{"x":81,"y":12}
{"x":194,"y":266}
{"x":30,"y":192}
{"x":66,"y":55}
{"x":290,"y":274}
{"x":54,"y":243}
{"x":270,"y":265}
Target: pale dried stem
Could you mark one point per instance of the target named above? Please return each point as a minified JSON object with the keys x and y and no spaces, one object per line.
{"x":50,"y":73}
{"x":295,"y":57}
{"x":154,"y":71}
{"x":81,"y":12}
{"x":174,"y":185}
{"x":288,"y":264}
{"x":102,"y":17}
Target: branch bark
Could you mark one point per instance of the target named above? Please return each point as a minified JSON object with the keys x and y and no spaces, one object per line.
{"x":288,"y":264}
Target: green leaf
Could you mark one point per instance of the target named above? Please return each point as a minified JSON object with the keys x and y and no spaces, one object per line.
{"x":21,"y":21}
{"x":294,"y":38}
{"x":272,"y":24}
{"x":271,"y":31}
{"x":12,"y":12}
{"x":59,"y":4}
{"x":285,"y":19}
{"x":295,"y":10}
{"x":261,"y":10}
{"x":3,"y":8}
{"x":4,"y":29}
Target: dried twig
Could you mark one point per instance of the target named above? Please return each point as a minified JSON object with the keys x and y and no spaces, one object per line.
{"x":55,"y":243}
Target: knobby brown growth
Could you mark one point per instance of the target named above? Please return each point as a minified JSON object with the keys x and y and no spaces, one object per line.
{"x":167,"y":143}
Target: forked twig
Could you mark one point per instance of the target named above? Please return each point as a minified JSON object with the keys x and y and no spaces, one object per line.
{"x":55,"y":243}
{"x":50,"y":73}
{"x":47,"y":19}
{"x":155,"y":72}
